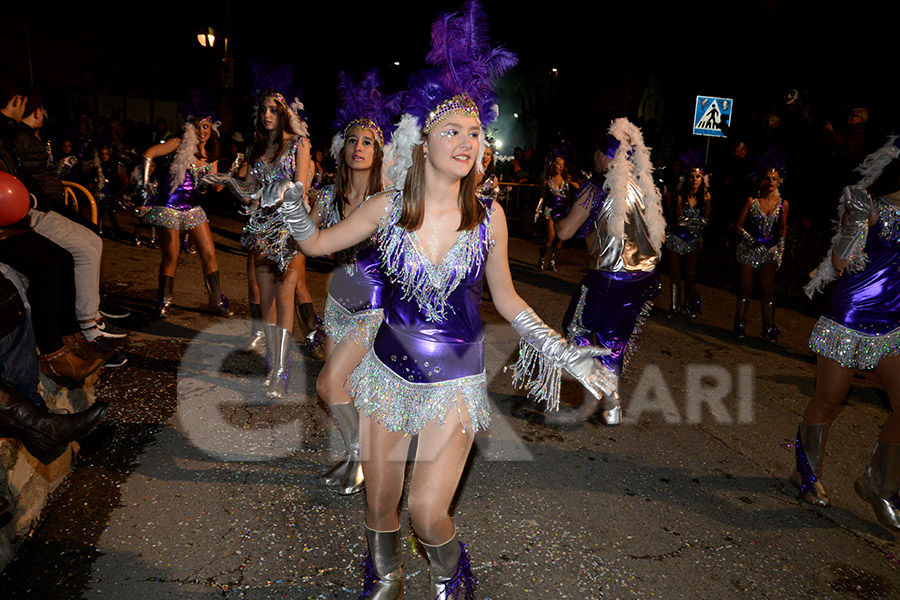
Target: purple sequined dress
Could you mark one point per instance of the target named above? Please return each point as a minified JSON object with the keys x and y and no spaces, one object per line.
{"x":763,"y":249}
{"x":353,"y":309}
{"x":178,"y":208}
{"x":429,"y":350}
{"x":862,"y":323}
{"x":686,"y":234}
{"x":616,"y":294}
{"x":556,"y":201}
{"x":266,"y":230}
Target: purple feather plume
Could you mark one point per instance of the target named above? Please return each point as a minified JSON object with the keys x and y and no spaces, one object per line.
{"x":364,"y":100}
{"x":198,"y":108}
{"x":278,"y":79}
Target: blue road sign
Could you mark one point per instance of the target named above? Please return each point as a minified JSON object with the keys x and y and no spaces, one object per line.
{"x":712,"y":116}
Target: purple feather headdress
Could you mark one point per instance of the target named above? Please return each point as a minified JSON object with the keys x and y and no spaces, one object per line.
{"x":693,"y":161}
{"x":363,"y":104}
{"x":277,"y":83}
{"x":465,"y":69}
{"x":198,"y":109}
{"x":774,"y":159}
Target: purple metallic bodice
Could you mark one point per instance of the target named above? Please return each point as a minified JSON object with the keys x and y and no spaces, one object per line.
{"x":183,"y":197}
{"x":868,"y":301}
{"x":432,"y":330}
{"x":761,"y":226}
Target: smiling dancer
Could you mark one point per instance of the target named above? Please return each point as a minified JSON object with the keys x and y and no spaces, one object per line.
{"x":859,"y":330}
{"x":425,"y":373}
{"x":353,"y":310}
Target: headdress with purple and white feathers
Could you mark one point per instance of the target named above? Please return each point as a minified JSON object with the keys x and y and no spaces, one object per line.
{"x":363,"y":104}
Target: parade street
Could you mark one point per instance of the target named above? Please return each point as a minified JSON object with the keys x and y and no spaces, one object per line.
{"x":197,"y":486}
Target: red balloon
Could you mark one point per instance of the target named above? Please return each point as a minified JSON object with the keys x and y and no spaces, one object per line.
{"x":14,"y":199}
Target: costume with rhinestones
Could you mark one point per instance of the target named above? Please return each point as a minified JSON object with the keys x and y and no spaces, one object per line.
{"x":430,"y":348}
{"x":177,"y":207}
{"x":266,"y":230}
{"x":686,"y":235}
{"x":353,"y":309}
{"x":759,"y":243}
{"x":616,"y":293}
{"x":862,"y":323}
{"x":556,"y":201}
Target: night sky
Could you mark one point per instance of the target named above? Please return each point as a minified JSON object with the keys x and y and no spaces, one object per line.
{"x":605,"y":53}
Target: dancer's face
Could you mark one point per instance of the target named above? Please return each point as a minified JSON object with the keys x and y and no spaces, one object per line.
{"x":204,"y":129}
{"x":452,"y":146}
{"x":771,"y":180}
{"x":270,"y":118}
{"x":488,"y":157}
{"x":695,"y":178}
{"x":359,"y":148}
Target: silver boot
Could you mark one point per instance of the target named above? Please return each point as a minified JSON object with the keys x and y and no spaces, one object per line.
{"x":346,"y":476}
{"x":257,"y":332}
{"x":809,"y":451}
{"x":451,"y":573}
{"x":384,"y":569}
{"x":270,"y":331}
{"x":280,"y":377}
{"x":879,"y":485}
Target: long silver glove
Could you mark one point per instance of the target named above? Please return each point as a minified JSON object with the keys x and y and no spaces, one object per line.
{"x":288,"y":197}
{"x":239,"y":188}
{"x":544,"y":352}
{"x":146,"y":163}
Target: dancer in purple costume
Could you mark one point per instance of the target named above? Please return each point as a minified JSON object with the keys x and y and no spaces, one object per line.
{"x":859,"y":330}
{"x":620,"y":215}
{"x":425,"y":373}
{"x":762,"y":226}
{"x":176,"y":206}
{"x":554,"y":206}
{"x":685,"y":238}
{"x":353,"y":309}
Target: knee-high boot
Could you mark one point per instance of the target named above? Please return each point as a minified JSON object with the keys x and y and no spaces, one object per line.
{"x":346,"y":476}
{"x":675,"y":300}
{"x":270,"y":333}
{"x":218,"y":302}
{"x":740,"y":319}
{"x":553,"y":253}
{"x":809,"y":451}
{"x":257,"y":336}
{"x":309,"y":329}
{"x":770,"y":332}
{"x":451,"y":573}
{"x":383,"y":566}
{"x":541,"y":257}
{"x":879,"y":485}
{"x":280,"y":377}
{"x":164,"y":296}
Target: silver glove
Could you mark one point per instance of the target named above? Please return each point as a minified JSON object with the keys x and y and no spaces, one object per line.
{"x":239,"y":188}
{"x":577,"y":360}
{"x":857,"y":205}
{"x":288,"y":196}
{"x":145,"y":170}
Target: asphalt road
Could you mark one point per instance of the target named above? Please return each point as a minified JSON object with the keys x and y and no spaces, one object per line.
{"x":196,"y":487}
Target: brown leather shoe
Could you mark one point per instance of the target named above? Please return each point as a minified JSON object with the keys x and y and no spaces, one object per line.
{"x":83,"y":348}
{"x":66,"y":367}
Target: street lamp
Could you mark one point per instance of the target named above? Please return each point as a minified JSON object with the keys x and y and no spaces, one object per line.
{"x":207,"y":37}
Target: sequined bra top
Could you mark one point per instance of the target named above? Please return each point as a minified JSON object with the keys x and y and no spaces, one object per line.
{"x":283,"y":168}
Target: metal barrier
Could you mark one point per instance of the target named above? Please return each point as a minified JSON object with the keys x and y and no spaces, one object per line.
{"x":71,"y":189}
{"x":519,"y":198}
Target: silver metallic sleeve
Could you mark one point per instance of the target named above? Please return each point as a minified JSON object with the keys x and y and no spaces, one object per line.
{"x":299,"y":222}
{"x":856,"y":206}
{"x":543,"y":353}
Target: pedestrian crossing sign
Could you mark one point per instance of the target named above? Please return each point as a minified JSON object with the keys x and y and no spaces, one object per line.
{"x":712,"y":116}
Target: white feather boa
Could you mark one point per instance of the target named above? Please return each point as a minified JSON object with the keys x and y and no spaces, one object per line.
{"x":405,"y":138}
{"x":184,"y":156}
{"x":873,"y":165}
{"x":631,"y":164}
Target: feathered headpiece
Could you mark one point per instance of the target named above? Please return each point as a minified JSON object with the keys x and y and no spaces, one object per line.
{"x":364,"y":105}
{"x":693,"y":161}
{"x":276,"y":83}
{"x":775,"y":159}
{"x":199,"y":109}
{"x":465,"y":68}
{"x":631,"y":165}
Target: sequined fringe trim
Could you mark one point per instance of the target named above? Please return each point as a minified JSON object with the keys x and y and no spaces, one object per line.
{"x":268,"y":233}
{"x":679,"y":246}
{"x":755,"y":256}
{"x":463,"y":583}
{"x":631,"y":348}
{"x":850,"y":348}
{"x":576,"y":327}
{"x":540,"y":377}
{"x":172,"y":218}
{"x":401,"y":405}
{"x":357,"y":327}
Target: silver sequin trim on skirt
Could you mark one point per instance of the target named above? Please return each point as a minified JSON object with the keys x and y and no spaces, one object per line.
{"x":850,"y":348}
{"x":359,"y":327}
{"x":171,"y":218}
{"x":400,"y":405}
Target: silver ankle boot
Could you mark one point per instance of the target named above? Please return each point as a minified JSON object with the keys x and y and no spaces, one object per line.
{"x":280,"y":377}
{"x":451,"y":573}
{"x":809,"y":451}
{"x":383,"y":566}
{"x":878,"y":486}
